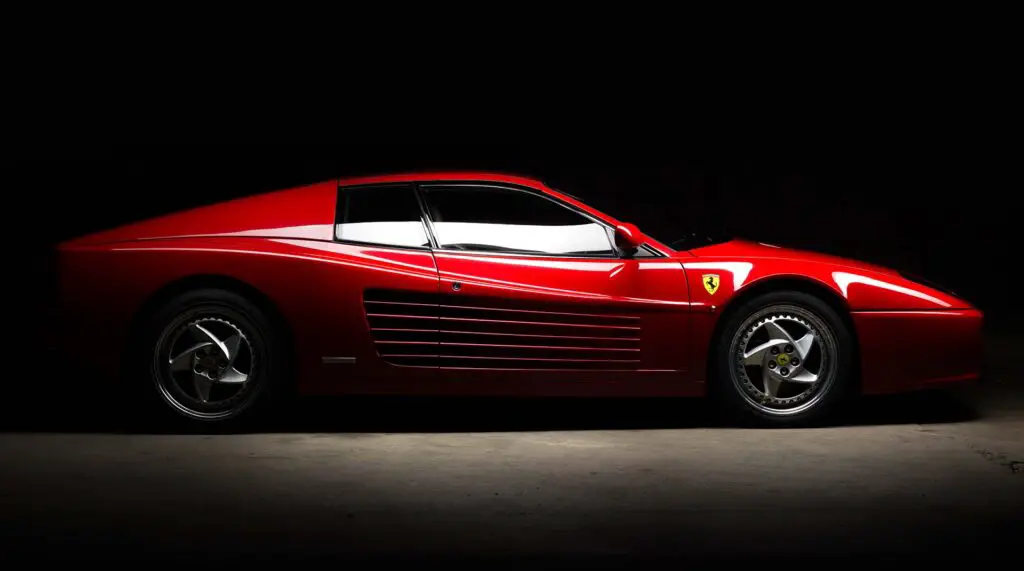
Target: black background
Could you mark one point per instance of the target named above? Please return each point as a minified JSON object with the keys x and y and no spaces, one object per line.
{"x":895,"y":142}
{"x":945,"y":208}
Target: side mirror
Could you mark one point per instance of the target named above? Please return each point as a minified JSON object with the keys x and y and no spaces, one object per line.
{"x":628,"y":237}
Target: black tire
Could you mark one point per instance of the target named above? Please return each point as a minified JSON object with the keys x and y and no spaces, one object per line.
{"x":226,"y":315}
{"x":741,"y":388}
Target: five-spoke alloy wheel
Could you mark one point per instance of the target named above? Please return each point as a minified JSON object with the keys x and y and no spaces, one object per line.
{"x":784,"y":358}
{"x":202,"y":374}
{"x":210,"y":356}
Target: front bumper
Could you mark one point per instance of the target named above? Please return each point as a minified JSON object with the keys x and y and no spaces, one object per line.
{"x":909,"y":350}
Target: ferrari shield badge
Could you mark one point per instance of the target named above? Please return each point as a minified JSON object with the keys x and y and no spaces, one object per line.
{"x":710,"y":282}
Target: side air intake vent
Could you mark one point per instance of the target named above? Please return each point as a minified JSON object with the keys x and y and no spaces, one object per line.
{"x":487,"y":333}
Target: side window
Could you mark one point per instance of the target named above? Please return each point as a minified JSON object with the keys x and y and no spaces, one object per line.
{"x":643,"y":253}
{"x":388,"y":215}
{"x":505,"y":220}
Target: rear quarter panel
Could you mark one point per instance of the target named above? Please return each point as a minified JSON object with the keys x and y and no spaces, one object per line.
{"x":316,"y":286}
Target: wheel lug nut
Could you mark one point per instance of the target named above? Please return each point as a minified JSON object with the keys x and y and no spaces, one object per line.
{"x":775,"y":350}
{"x":789,"y":348}
{"x":771,"y":364}
{"x":794,"y":361}
{"x":784,"y":371}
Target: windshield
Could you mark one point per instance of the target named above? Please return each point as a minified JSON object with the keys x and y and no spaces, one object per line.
{"x":676,"y":231}
{"x":697,"y":239}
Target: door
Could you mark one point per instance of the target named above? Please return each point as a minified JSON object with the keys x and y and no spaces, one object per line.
{"x":380,"y":322}
{"x":533,"y":291}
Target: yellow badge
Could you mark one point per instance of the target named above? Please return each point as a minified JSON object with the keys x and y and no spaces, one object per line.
{"x":710,"y":282}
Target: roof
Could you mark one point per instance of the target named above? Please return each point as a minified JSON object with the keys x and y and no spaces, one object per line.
{"x":481,"y":176}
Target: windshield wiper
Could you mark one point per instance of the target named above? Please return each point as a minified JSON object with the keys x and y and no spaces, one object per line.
{"x":698,"y":239}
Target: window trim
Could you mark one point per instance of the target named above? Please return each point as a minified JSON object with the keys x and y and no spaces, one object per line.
{"x":407,"y":185}
{"x":616,"y":253}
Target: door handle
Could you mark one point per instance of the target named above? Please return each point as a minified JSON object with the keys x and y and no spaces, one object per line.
{"x":456,"y":286}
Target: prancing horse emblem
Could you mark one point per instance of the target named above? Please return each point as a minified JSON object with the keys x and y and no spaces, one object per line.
{"x":710,"y":282}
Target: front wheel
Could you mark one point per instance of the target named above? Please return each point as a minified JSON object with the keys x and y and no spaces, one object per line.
{"x":785,"y":358}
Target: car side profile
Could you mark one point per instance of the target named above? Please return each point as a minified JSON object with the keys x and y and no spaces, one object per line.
{"x":485,"y":284}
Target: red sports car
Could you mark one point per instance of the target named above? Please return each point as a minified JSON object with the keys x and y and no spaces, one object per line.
{"x":483,"y":284}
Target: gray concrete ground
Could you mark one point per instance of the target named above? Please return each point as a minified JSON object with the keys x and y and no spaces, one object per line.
{"x":601,"y":484}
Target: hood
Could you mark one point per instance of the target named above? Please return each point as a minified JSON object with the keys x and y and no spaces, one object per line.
{"x":746,"y":249}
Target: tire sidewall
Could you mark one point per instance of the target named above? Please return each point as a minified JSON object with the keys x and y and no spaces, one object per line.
{"x":838,"y":392}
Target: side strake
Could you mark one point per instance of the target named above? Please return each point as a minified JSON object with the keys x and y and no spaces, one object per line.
{"x":488,"y":333}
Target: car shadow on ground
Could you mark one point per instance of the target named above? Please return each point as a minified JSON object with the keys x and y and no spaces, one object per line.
{"x":379,"y":414}
{"x":52,"y":408}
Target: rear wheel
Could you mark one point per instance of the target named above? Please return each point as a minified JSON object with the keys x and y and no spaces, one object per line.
{"x":785,"y":358}
{"x":211,"y":358}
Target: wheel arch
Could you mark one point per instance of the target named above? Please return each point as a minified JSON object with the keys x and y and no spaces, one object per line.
{"x":172,"y":289}
{"x":782,"y":283}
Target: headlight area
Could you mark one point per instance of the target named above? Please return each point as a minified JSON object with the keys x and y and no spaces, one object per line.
{"x":928,"y":283}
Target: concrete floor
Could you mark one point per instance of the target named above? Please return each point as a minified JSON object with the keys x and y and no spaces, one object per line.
{"x":604,"y":483}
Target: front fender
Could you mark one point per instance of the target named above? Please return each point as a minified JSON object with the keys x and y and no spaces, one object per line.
{"x":861,"y":289}
{"x":886,"y":310}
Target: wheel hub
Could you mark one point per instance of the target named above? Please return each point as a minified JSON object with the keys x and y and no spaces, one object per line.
{"x":208,"y":364}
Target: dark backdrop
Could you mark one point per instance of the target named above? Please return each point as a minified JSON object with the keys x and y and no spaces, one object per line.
{"x":944,"y":210}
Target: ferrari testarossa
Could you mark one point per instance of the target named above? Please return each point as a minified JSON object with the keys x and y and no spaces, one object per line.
{"x":485,"y":284}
